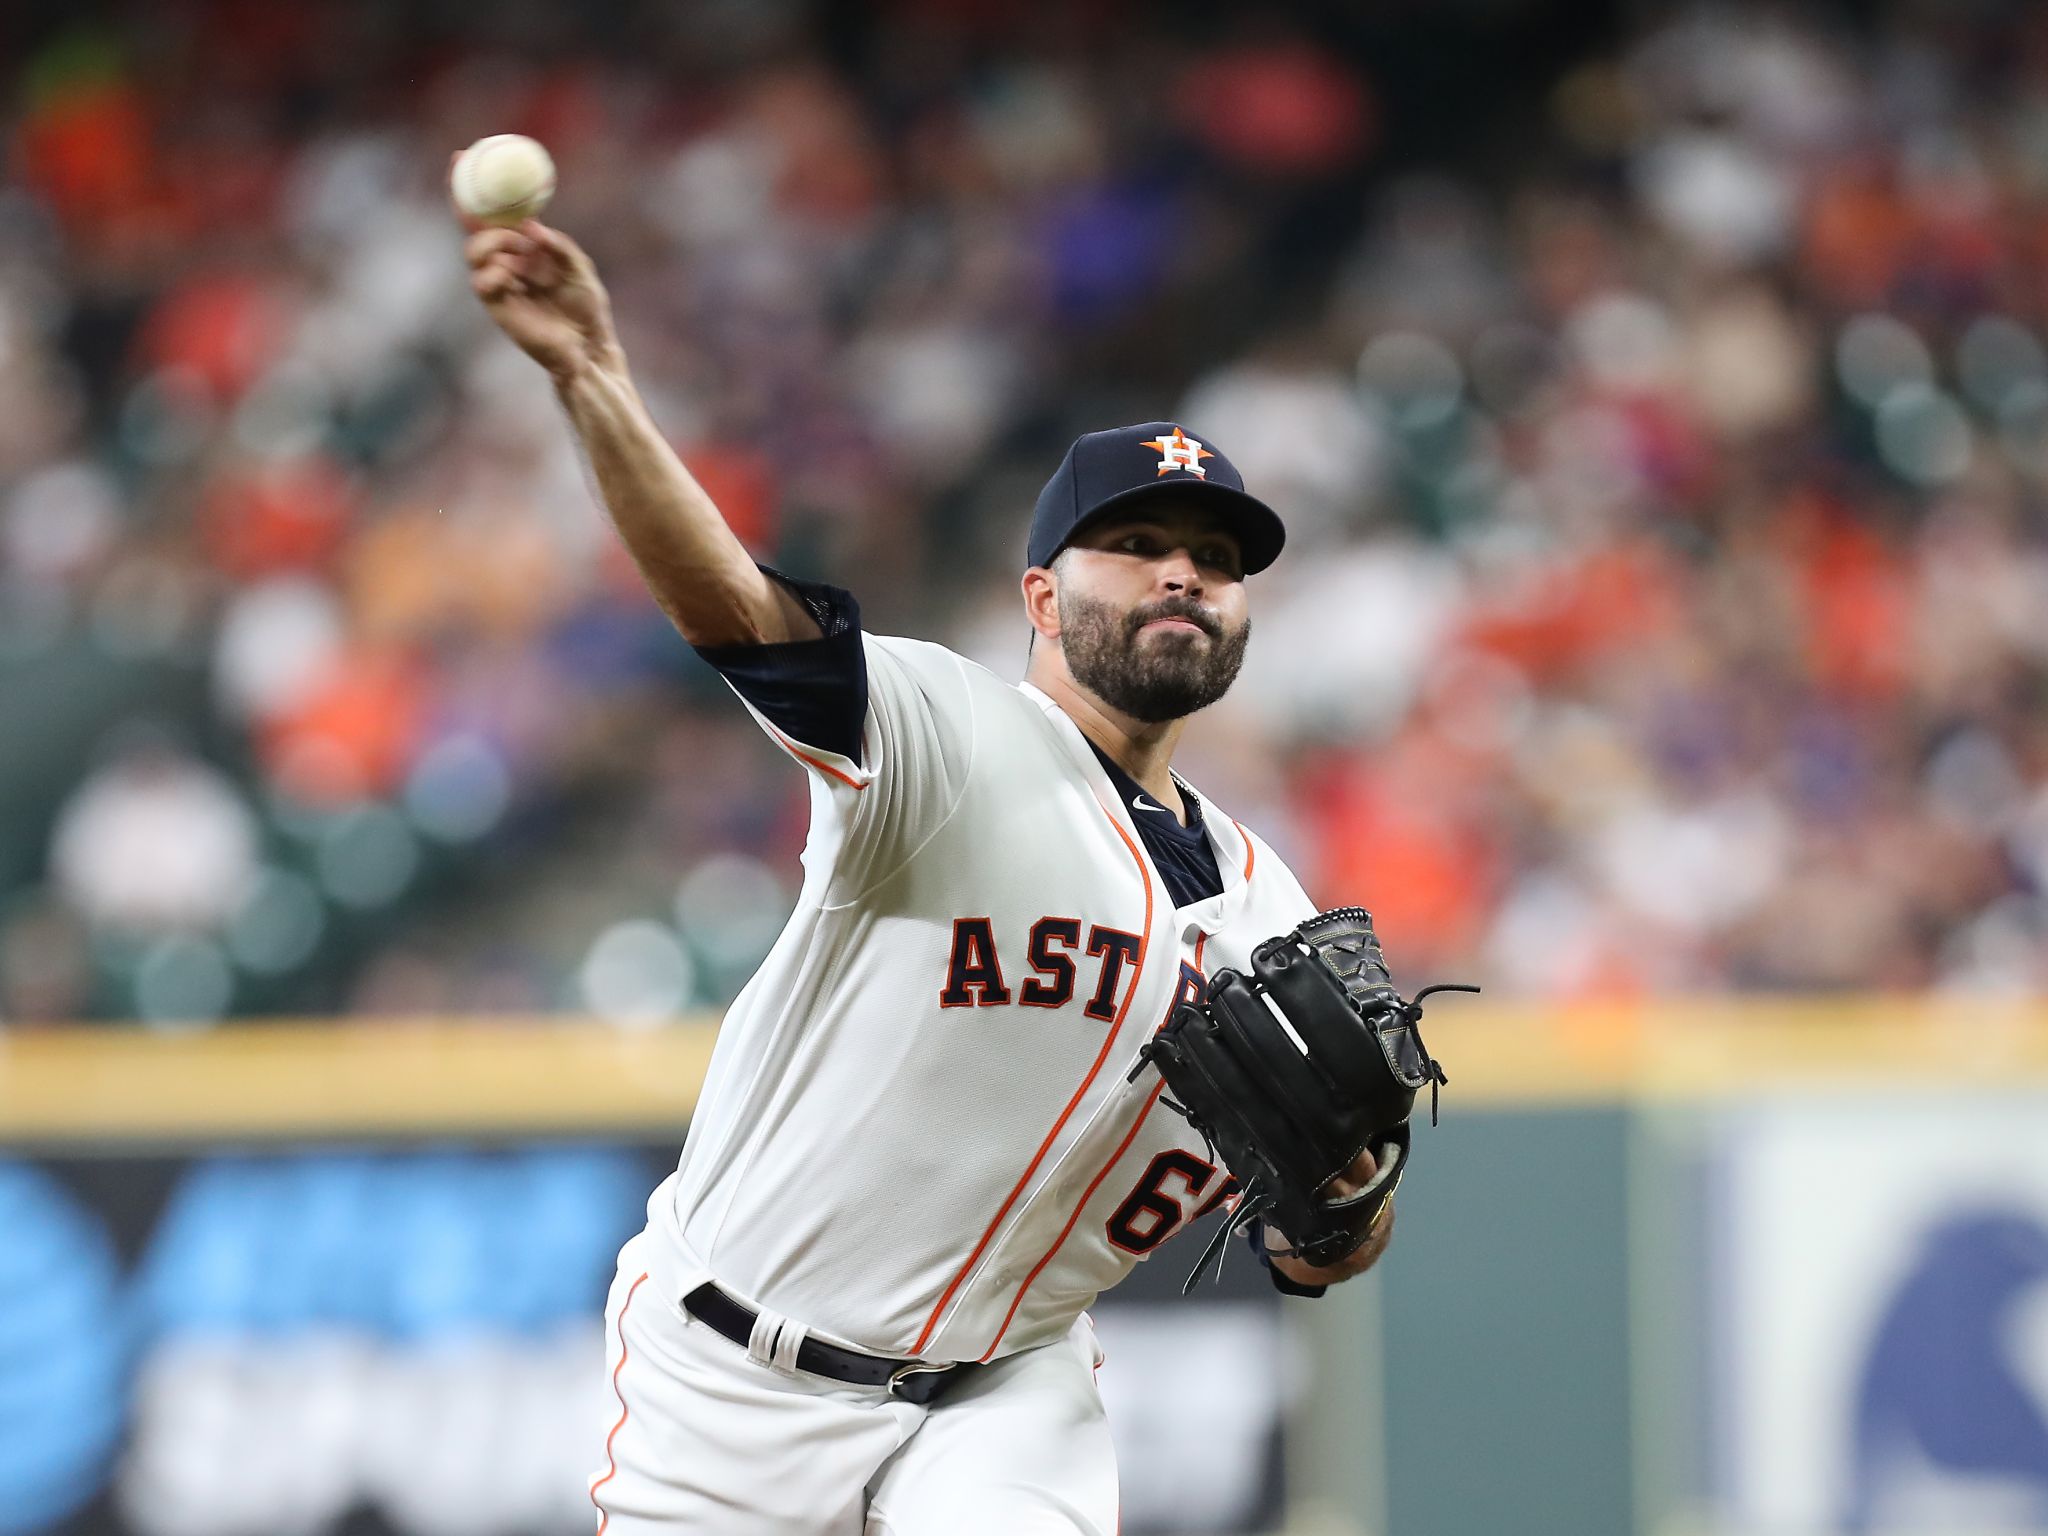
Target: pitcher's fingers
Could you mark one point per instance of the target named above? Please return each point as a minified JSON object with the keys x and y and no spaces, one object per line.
{"x":575,"y":261}
{"x":542,"y":267}
{"x":486,"y":243}
{"x":496,"y":281}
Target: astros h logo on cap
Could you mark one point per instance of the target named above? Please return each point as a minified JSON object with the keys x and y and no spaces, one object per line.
{"x":1110,"y":471}
{"x":1180,"y":452}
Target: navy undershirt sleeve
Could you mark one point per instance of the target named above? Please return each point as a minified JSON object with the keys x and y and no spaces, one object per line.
{"x":813,"y":691}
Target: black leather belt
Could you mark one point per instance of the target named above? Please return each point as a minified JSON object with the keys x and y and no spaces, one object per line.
{"x":914,"y":1381}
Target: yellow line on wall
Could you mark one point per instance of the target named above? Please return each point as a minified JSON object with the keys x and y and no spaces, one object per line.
{"x":562,"y":1074}
{"x":327,"y":1079}
{"x":1686,"y":1049}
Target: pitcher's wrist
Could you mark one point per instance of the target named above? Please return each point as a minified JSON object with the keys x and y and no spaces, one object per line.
{"x":605,"y":361}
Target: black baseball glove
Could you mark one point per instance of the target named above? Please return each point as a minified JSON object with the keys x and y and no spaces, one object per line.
{"x":1291,"y":1072}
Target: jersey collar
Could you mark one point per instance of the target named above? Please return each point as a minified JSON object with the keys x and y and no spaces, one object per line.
{"x":1234,"y":854}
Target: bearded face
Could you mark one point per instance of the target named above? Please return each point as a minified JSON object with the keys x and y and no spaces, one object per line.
{"x":1143,"y":665}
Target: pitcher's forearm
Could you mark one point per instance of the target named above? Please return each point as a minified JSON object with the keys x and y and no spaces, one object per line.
{"x":542,"y":290}
{"x":693,"y":563}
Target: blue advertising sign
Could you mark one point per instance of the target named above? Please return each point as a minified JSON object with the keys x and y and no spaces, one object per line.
{"x":408,"y":1341}
{"x":65,"y":1332}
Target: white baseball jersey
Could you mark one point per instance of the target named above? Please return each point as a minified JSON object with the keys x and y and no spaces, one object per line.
{"x":917,"y":1135}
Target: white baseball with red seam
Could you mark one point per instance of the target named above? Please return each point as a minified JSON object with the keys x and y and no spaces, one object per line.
{"x":503,"y":179}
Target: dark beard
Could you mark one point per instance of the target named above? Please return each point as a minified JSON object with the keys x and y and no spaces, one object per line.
{"x":1165,"y":680}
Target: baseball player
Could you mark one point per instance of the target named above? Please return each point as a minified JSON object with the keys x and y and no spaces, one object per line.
{"x":924,"y":1143}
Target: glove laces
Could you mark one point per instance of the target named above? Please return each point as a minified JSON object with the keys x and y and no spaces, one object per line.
{"x":1251,"y":1205}
{"x":1411,"y":1015}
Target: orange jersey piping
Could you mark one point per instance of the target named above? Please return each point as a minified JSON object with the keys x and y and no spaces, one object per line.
{"x":1089,"y":1194}
{"x":604,"y":1517}
{"x":1108,"y":1040}
{"x":802,"y":756}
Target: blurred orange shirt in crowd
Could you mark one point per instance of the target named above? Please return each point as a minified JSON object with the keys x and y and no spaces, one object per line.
{"x":268,"y":519}
{"x":354,"y":735}
{"x":1397,"y":832}
{"x":1581,"y":610}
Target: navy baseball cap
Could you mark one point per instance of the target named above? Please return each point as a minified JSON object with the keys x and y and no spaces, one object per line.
{"x":1108,"y":471}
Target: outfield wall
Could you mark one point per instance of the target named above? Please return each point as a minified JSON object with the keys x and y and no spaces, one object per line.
{"x":1768,"y":1269}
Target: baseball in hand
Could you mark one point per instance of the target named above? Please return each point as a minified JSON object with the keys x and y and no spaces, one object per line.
{"x":504,"y":179}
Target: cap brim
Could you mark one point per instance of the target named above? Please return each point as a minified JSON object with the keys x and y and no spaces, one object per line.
{"x":1257,"y":527}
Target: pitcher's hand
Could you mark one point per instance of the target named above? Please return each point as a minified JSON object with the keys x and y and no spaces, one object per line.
{"x":543,"y":292}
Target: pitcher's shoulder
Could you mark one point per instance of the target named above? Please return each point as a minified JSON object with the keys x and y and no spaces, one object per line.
{"x":931,"y":660}
{"x":944,"y":671}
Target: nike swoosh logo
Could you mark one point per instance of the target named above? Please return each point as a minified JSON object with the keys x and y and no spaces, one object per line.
{"x":1142,"y":804}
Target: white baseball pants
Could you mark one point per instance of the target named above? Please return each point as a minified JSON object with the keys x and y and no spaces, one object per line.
{"x":708,"y":1438}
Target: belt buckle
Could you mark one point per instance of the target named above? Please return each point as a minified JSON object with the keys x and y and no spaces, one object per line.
{"x":903,"y":1373}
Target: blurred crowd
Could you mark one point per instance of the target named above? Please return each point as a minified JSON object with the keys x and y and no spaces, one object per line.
{"x":1666,"y":601}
